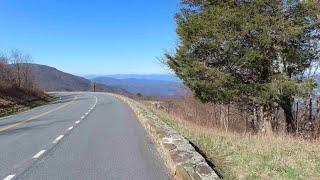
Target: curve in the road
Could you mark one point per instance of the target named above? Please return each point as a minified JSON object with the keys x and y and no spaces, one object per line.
{"x":111,"y":144}
{"x":43,"y":151}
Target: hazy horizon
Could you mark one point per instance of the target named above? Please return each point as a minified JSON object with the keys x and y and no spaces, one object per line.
{"x":157,"y":77}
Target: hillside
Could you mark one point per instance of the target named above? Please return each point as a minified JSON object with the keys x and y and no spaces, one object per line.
{"x":51,"y":79}
{"x":14,"y":99}
{"x":147,"y":87}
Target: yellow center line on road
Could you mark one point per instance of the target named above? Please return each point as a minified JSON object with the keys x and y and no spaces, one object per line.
{"x":37,"y":116}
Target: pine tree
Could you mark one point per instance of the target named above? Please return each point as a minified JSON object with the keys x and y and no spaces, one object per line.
{"x":253,"y":51}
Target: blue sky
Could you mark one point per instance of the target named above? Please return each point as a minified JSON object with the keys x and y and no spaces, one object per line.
{"x":91,"y":37}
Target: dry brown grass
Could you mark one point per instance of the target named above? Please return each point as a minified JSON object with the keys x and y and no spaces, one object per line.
{"x":245,"y":156}
{"x":235,"y":150}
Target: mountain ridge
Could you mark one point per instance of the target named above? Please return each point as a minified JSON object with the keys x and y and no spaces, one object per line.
{"x":52,"y":79}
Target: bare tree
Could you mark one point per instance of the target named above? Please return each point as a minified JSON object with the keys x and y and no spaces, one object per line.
{"x":3,"y":62}
{"x":21,"y":68}
{"x":27,"y":78}
{"x":6,"y":75}
{"x":16,"y":60}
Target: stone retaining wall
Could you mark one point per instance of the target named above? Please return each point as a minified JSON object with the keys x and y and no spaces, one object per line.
{"x":180,"y":156}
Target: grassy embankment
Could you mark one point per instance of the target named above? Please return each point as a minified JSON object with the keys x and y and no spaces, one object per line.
{"x":245,"y":156}
{"x":17,"y":100}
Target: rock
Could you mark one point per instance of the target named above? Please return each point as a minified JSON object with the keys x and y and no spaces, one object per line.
{"x":182,"y":174}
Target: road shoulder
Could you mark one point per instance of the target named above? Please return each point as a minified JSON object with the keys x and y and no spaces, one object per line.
{"x":180,"y":156}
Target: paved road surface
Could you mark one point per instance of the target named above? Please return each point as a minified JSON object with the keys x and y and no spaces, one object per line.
{"x":82,"y":136}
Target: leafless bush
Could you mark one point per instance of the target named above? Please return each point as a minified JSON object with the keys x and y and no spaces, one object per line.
{"x":307,"y":117}
{"x":224,"y":116}
{"x":15,"y":70}
{"x":16,"y":78}
{"x":21,"y":69}
{"x":242,"y":118}
{"x":6,"y":75}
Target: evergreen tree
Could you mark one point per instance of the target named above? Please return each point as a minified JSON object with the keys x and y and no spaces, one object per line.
{"x":253,"y":51}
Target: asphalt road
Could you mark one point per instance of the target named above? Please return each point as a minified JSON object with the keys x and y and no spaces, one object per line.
{"x":82,"y":136}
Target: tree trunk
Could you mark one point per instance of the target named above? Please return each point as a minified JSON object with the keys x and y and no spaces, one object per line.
{"x":226,"y":119}
{"x":255,"y":119}
{"x":266,"y":117}
{"x":286,"y":105}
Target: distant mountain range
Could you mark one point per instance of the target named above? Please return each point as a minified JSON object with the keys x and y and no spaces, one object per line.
{"x":154,"y":77}
{"x":51,"y":79}
{"x":147,"y":85}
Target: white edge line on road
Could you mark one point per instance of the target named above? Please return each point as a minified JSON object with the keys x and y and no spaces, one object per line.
{"x":86,"y":113}
{"x":82,"y":117}
{"x":70,"y":128}
{"x":9,"y":177}
{"x":58,"y":139}
{"x":77,"y":122}
{"x":39,"y":154}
